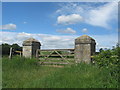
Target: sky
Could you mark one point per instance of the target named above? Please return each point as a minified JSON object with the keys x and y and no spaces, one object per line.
{"x":57,"y":24}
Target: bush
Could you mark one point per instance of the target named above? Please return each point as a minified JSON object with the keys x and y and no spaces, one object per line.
{"x":109,"y":59}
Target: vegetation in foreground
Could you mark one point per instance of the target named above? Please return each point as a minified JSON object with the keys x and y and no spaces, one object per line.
{"x":110,"y":59}
{"x":25,"y":73}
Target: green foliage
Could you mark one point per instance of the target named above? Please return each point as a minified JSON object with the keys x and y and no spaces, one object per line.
{"x":25,"y":73}
{"x":109,"y":59}
{"x":6,"y":48}
{"x":17,"y":72}
{"x":81,"y":76}
{"x":60,"y":52}
{"x":18,"y":63}
{"x":100,"y":50}
{"x":16,"y":47}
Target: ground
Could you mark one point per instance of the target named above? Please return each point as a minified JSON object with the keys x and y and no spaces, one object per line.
{"x":26,"y":73}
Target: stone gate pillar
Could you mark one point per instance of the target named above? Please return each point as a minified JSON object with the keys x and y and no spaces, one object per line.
{"x":30,"y":46}
{"x":84,"y":49}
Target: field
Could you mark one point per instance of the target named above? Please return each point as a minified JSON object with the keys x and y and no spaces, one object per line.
{"x":26,"y":73}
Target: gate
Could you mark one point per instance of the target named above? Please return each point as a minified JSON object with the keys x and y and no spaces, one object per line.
{"x":55,"y":56}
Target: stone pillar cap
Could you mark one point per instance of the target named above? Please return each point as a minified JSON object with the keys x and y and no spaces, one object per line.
{"x":84,"y":39}
{"x":29,"y":41}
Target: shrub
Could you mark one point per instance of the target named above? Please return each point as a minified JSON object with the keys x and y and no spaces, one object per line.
{"x":109,"y":59}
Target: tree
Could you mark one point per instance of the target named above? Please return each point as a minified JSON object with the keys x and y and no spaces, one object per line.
{"x":5,"y":49}
{"x":101,"y":49}
{"x":16,"y":47}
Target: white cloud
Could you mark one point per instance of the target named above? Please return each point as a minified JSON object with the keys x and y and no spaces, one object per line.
{"x":57,"y":42}
{"x":105,"y":41}
{"x":69,"y":19}
{"x":67,"y":31}
{"x":8,"y":27}
{"x":85,"y":30}
{"x":96,"y":14}
{"x":23,"y":34}
{"x":52,"y":38}
{"x":102,"y":15}
{"x":69,"y":8}
{"x":47,"y":41}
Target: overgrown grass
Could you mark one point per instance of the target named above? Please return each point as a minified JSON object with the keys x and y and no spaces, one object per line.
{"x":17,"y":72}
{"x":25,"y":73}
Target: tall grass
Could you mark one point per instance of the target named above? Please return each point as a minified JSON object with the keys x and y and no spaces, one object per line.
{"x":19,"y":71}
{"x":25,"y":73}
{"x":81,"y":76}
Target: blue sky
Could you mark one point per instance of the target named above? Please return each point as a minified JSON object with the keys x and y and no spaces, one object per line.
{"x":53,"y":23}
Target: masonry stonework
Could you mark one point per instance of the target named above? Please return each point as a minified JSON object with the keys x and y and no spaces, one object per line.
{"x":84,"y":49}
{"x":30,"y":46}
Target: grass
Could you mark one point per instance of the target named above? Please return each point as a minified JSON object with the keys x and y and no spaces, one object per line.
{"x":25,"y":73}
